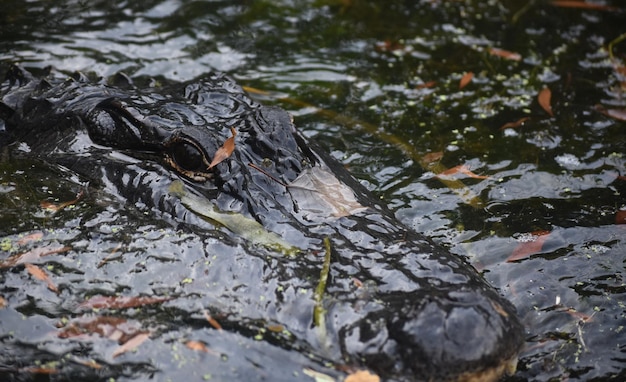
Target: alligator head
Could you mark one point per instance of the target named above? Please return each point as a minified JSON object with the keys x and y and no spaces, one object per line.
{"x":422,"y":313}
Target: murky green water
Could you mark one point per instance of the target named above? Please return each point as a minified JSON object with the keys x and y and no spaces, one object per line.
{"x":377,"y":84}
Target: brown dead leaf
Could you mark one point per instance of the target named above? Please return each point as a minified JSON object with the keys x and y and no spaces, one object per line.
{"x":582,"y":5}
{"x":131,"y":344}
{"x":110,"y":256}
{"x":3,"y":302}
{"x":620,"y":217}
{"x":120,"y":302}
{"x":52,"y":207}
{"x":35,"y":236}
{"x":362,"y":376}
{"x":528,"y":248}
{"x":39,"y":370}
{"x":212,"y":321}
{"x":89,"y":363}
{"x":426,"y":85}
{"x":40,"y":274}
{"x":544,"y":98}
{"x":113,"y":328}
{"x":513,"y":125}
{"x":226,"y":150}
{"x":578,"y":315}
{"x":32,"y":255}
{"x":466,"y":79}
{"x":618,"y":114}
{"x":460,"y":169}
{"x":505,"y":54}
{"x":428,"y":159}
{"x":276,"y":328}
{"x":197,"y":346}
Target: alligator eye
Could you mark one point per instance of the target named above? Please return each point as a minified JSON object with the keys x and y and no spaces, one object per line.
{"x":187,"y":157}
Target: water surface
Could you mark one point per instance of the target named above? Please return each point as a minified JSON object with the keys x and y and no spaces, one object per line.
{"x":377,"y":84}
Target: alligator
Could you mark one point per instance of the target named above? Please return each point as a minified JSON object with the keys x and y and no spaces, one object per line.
{"x":394,"y":302}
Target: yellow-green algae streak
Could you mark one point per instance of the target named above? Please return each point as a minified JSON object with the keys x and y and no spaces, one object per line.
{"x":249,"y":229}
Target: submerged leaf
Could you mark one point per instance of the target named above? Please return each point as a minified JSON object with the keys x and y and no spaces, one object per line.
{"x":317,"y":376}
{"x":226,"y":150}
{"x":120,"y":302}
{"x":131,"y":344}
{"x":318,"y":192}
{"x":528,"y":248}
{"x":113,"y":328}
{"x":197,"y":346}
{"x":32,"y":255}
{"x":582,"y":5}
{"x":505,"y":54}
{"x":214,"y":323}
{"x":248,"y":229}
{"x":461,"y":169}
{"x":620,"y":217}
{"x":35,"y":236}
{"x":362,"y":376}
{"x":40,"y":274}
{"x":466,"y":79}
{"x":544,"y":98}
{"x":52,"y":207}
{"x":618,"y":114}
{"x":512,"y":125}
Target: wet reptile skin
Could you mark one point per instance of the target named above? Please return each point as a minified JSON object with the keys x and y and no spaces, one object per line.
{"x":421,"y":314}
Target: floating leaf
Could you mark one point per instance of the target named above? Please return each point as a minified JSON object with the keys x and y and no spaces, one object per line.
{"x":466,"y":79}
{"x":3,"y":302}
{"x":513,"y":125}
{"x":320,"y":194}
{"x":131,"y":344}
{"x":226,"y":150}
{"x":544,"y":98}
{"x":461,"y":169}
{"x":40,"y":274}
{"x":120,"y":302}
{"x":505,"y":54}
{"x":582,"y":5}
{"x":362,"y":376}
{"x":528,"y":248}
{"x":247,"y":228}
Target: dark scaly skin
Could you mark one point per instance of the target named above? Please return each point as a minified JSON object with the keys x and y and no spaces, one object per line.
{"x":423,"y":313}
